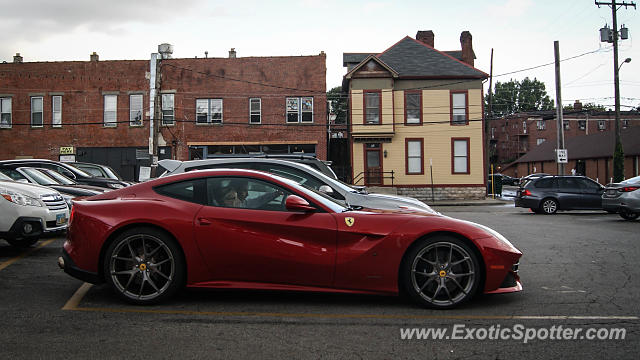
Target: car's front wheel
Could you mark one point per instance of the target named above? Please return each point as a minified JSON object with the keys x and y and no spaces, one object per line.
{"x":144,"y":265}
{"x":628,"y":215}
{"x":441,"y":272}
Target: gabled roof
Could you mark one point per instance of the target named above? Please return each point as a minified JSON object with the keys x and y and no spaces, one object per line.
{"x":375,"y":59}
{"x":412,"y":58}
{"x":593,"y":146}
{"x":354,"y":58}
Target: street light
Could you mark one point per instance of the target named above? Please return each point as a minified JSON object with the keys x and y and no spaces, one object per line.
{"x":627,"y":60}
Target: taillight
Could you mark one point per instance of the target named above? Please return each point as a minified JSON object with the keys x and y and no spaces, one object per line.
{"x":629,"y":188}
{"x":526,"y":193}
{"x":73,"y":210}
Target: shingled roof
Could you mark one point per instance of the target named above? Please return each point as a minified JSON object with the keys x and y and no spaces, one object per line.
{"x":412,"y":58}
{"x":593,"y":146}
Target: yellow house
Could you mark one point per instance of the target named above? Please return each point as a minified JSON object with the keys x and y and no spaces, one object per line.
{"x":416,"y":119}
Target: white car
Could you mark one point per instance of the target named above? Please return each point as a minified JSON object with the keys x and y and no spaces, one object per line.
{"x":29,"y":211}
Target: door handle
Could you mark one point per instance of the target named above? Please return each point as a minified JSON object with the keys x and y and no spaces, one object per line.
{"x":204,"y":222}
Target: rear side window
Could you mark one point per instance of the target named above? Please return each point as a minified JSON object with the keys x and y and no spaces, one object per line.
{"x":190,"y":190}
{"x":544,"y":183}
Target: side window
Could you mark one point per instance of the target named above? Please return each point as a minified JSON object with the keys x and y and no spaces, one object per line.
{"x":588,"y":184}
{"x":294,"y":174}
{"x":65,"y":172}
{"x":245,"y":193}
{"x":544,"y":183}
{"x":568,"y":183}
{"x":14,"y":174}
{"x":189,"y":190}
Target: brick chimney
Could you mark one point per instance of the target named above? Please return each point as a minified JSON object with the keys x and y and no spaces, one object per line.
{"x":94,"y":57}
{"x":232,"y":53}
{"x":577,"y":106}
{"x":17,"y":58}
{"x":467,"y":48}
{"x":425,"y":37}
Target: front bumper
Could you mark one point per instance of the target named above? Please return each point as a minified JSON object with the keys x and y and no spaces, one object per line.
{"x":620,"y":203}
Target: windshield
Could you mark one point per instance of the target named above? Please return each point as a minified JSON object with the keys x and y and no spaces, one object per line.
{"x":59,"y":177}
{"x":333,"y":204}
{"x":110,"y":173}
{"x":4,"y":177}
{"x":39,"y":177}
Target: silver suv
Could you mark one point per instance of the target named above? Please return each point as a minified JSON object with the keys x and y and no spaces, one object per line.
{"x":304,"y":175}
{"x":29,"y":211}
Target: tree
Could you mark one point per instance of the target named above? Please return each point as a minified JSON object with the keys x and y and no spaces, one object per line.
{"x":518,"y":96}
{"x":587,"y":106}
{"x":338,"y":102}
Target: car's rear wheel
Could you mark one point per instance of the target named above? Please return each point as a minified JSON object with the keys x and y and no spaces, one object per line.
{"x":628,"y":215}
{"x":23,"y":242}
{"x":441,"y":272}
{"x":549,"y":206}
{"x":144,"y":266}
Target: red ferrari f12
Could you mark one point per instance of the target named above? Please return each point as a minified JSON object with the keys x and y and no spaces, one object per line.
{"x":253,"y":230}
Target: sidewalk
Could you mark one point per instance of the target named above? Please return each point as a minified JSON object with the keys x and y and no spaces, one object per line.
{"x":484,"y":202}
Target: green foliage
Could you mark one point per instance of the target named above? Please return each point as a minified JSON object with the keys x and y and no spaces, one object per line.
{"x":338,"y":101}
{"x":587,"y":106}
{"x":618,"y":163}
{"x":519,"y":96}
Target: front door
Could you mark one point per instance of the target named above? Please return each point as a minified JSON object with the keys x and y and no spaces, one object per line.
{"x":373,"y":167}
{"x":246,"y":234}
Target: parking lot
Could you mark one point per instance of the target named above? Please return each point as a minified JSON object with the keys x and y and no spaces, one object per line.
{"x":579,"y":269}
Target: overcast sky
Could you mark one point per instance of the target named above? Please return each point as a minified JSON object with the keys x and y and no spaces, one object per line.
{"x":521,"y":32}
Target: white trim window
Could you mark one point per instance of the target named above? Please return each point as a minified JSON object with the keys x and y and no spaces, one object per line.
{"x":414,"y":157}
{"x":602,"y":125}
{"x":565,"y":124}
{"x":461,"y":156}
{"x":459,"y":108}
{"x":541,"y":124}
{"x":255,"y":111}
{"x":168,"y":109}
{"x":56,"y":111}
{"x":5,"y":112}
{"x":299,"y":109}
{"x":135,"y":109}
{"x":208,"y":111}
{"x":540,"y":141}
{"x":36,"y":111}
{"x":110,"y":110}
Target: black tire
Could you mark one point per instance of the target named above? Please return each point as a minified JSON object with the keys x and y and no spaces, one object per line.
{"x":628,"y":215}
{"x":144,"y":266}
{"x":23,"y":242}
{"x":548,"y":206}
{"x":438,"y":284}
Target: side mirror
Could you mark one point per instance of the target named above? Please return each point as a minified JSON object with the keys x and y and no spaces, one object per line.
{"x":296,"y":203}
{"x":326,"y":189}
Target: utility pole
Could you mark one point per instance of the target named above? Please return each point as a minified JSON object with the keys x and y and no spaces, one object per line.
{"x":560,"y":125}
{"x":487,"y":123}
{"x":154,"y":103}
{"x":618,"y":151}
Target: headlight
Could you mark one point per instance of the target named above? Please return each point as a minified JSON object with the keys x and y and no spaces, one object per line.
{"x":20,"y":198}
{"x":116,"y":186}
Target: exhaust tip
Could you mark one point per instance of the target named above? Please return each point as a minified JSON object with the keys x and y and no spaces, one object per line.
{"x":61,"y":262}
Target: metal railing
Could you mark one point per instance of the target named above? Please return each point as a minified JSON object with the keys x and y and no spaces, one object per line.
{"x":373,"y":177}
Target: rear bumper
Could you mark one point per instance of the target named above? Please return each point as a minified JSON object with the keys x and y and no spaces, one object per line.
{"x":533,"y":203}
{"x":620,"y":203}
{"x":66,"y":263}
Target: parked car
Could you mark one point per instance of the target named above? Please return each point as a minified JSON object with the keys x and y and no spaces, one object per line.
{"x":623,"y":198}
{"x":29,"y":211}
{"x":49,"y":178}
{"x":317,"y":164}
{"x":505,"y":179}
{"x":65,"y":169}
{"x":304,"y":175}
{"x":97,"y":170}
{"x":548,"y":194}
{"x":532,"y":176}
{"x":283,"y":236}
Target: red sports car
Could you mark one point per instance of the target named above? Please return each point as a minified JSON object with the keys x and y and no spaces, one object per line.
{"x":253,"y":230}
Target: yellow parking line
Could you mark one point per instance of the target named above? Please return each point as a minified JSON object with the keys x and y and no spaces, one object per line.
{"x":12,"y":260}
{"x":72,"y":304}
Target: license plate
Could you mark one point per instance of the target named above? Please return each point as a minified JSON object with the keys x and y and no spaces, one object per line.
{"x":611,"y":192}
{"x":61,"y":219}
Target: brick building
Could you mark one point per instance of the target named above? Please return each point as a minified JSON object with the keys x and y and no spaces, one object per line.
{"x":206,"y":106}
{"x":515,"y":135}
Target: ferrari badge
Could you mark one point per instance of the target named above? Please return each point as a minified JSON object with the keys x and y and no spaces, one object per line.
{"x":349,"y":221}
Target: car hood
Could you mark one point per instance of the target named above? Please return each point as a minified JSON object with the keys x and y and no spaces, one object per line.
{"x":28,"y":189}
{"x":383,"y":201}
